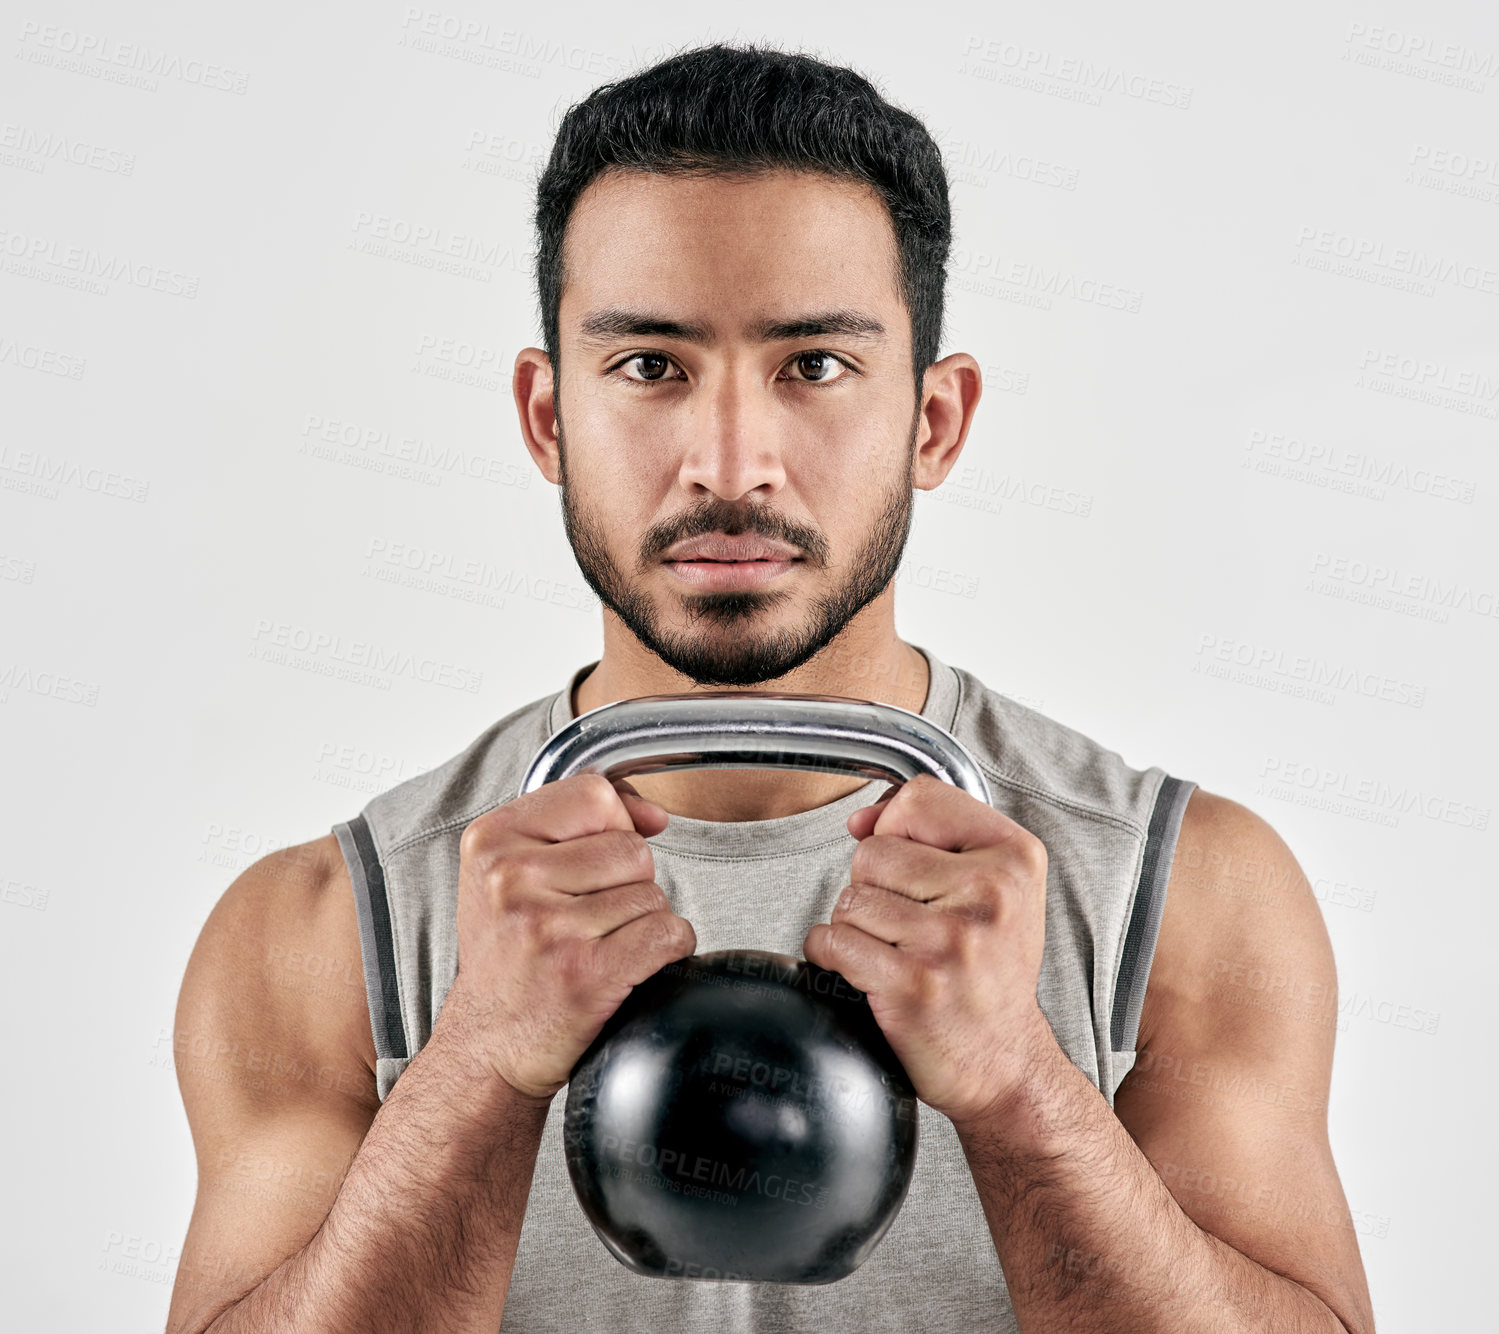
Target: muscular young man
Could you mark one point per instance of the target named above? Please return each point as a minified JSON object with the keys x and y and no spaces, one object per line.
{"x":740,"y":266}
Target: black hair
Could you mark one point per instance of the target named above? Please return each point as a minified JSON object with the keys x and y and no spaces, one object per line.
{"x":733,"y":110}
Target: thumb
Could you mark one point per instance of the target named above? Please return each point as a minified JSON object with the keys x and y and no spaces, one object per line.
{"x":862,"y":822}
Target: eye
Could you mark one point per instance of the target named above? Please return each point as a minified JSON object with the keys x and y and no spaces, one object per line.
{"x":652,"y":367}
{"x":818,"y":367}
{"x":814,"y":367}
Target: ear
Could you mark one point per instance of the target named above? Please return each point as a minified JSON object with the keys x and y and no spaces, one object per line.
{"x":535,"y":402}
{"x":950,"y":394}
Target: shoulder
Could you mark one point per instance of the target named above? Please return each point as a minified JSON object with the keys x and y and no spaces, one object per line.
{"x":273,"y":1001}
{"x":1241,"y":930}
{"x":1048,"y":770}
{"x":1228,"y":1096}
{"x":276,"y":1066}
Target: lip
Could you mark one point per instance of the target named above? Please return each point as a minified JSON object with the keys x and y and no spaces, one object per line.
{"x":721,"y":575}
{"x":721,"y":547}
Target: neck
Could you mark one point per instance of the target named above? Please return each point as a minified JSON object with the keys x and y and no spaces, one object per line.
{"x":882,"y":668}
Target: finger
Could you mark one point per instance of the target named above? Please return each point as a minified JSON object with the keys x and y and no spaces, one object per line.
{"x":557,"y":812}
{"x":581,"y":865}
{"x":862,"y":820}
{"x":927,"y":810}
{"x":866,"y":963}
{"x":643,"y":946}
{"x":916,"y":870}
{"x":891,"y":917}
{"x":606,"y":910}
{"x":649,"y":817}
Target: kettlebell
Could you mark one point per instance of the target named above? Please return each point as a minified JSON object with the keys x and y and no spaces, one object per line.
{"x":740,"y":1116}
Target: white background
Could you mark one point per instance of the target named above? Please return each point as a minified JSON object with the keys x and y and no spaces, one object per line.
{"x":1284,"y":456}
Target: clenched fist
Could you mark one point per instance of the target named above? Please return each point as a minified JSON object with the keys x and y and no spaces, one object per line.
{"x":559,"y":916}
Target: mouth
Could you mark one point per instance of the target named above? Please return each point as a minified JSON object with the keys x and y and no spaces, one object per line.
{"x":709,"y":575}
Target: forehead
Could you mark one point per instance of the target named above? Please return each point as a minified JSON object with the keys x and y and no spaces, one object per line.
{"x":711,"y":245}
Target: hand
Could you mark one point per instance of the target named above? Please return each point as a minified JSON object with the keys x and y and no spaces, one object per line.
{"x":558,"y":918}
{"x":942,"y":926}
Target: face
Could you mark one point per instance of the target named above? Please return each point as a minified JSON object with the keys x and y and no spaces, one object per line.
{"x":740,"y":415}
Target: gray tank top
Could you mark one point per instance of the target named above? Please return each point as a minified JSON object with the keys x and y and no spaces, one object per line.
{"x":1110,"y":832}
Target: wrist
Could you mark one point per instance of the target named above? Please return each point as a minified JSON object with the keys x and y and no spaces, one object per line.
{"x":475,"y":1080}
{"x":1029,"y":1077}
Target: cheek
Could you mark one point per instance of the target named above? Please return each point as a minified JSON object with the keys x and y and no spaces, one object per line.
{"x":615,"y":457}
{"x":843,"y":472}
{"x":623,"y":496}
{"x":849,"y":484}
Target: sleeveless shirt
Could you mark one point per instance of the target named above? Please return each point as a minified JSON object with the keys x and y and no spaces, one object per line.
{"x":1110,"y":831}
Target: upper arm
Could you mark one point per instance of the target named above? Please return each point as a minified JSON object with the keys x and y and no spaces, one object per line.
{"x":275,"y":1062}
{"x":1228,"y":1095}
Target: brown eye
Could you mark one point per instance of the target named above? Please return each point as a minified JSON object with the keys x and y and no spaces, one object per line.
{"x":651,"y":365}
{"x":819,"y":367}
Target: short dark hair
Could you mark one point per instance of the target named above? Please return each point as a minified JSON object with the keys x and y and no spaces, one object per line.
{"x":732,"y":110}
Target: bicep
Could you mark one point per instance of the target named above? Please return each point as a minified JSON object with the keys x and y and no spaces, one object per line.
{"x":265,"y":1185}
{"x":278,"y":1092}
{"x":1242,"y":1145}
{"x":1228,"y":1095}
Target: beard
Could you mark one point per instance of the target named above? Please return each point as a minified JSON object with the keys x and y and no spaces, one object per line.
{"x":727,"y":643}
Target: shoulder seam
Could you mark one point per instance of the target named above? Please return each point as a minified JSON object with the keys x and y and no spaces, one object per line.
{"x":377,"y":941}
{"x":1064,"y":803}
{"x":446,"y":826}
{"x":1143,"y":920}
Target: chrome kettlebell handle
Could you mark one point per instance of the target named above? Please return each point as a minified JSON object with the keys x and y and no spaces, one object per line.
{"x":760,"y":730}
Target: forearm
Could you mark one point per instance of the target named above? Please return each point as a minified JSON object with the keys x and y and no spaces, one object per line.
{"x":1090,"y":1238}
{"x":423,"y":1232}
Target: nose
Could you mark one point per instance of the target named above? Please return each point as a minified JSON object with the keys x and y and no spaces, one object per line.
{"x":734,"y":449}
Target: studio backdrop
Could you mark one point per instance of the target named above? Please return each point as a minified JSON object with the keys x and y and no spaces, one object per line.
{"x":270,"y":542}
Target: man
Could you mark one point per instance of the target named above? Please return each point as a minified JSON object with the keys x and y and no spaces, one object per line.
{"x":741,"y":272}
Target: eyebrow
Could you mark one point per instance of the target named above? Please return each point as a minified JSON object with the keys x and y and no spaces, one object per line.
{"x":602,"y":326}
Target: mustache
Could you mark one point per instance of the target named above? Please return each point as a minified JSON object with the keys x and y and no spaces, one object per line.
{"x":734,"y":521}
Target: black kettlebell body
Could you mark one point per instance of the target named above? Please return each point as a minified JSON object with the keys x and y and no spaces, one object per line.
{"x":741,"y":1117}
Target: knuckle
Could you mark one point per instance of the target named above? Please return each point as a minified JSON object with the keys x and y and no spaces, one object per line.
{"x":975,"y":912}
{"x":643,"y":899}
{"x":928,"y":987}
{"x":469,"y":841}
{"x":954,"y":934}
{"x":598,"y":792}
{"x":857,"y":899}
{"x":513,"y":872}
{"x":574,"y":965}
{"x":979,"y":880}
{"x":627,"y":850}
{"x":1033,"y":851}
{"x":670,"y":934}
{"x":476,"y":843}
{"x":526,"y":920}
{"x":871,"y":855}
